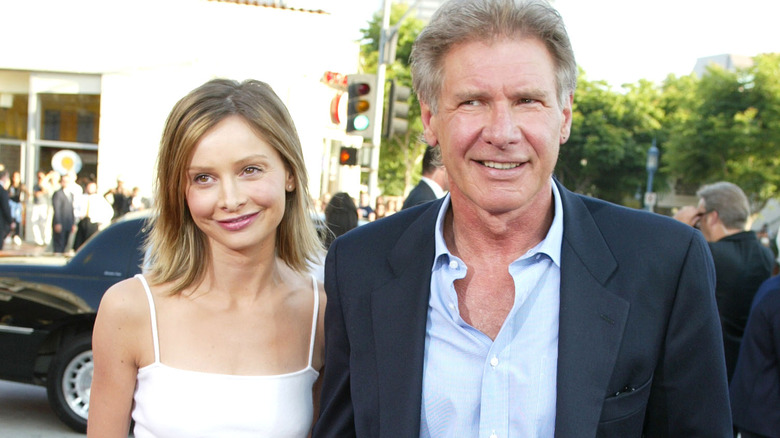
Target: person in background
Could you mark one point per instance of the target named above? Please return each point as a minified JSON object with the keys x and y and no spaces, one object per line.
{"x":433,"y":182}
{"x":742,"y":263}
{"x":63,"y":217}
{"x":39,"y":216}
{"x":7,"y":224}
{"x":513,"y":307}
{"x":365,"y":209}
{"x":341,"y":215}
{"x":119,"y":198}
{"x":755,"y":385}
{"x":17,"y":194}
{"x":92,"y":212}
{"x":225,"y":310}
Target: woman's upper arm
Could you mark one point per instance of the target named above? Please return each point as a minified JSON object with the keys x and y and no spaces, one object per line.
{"x":115,"y":347}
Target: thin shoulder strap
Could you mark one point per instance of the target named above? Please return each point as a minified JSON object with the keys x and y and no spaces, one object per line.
{"x":314,"y":319}
{"x":153,"y":314}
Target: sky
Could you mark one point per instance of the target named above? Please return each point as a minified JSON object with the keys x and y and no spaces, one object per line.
{"x":622,"y":41}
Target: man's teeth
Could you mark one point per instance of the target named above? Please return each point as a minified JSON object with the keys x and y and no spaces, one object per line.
{"x":496,"y":165}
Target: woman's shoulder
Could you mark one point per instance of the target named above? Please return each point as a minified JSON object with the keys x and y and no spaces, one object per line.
{"x":125,"y":299}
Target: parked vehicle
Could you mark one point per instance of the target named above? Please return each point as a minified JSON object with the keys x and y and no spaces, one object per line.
{"x":47,"y":309}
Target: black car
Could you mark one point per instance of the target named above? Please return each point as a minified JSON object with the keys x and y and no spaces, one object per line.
{"x":47,"y":309}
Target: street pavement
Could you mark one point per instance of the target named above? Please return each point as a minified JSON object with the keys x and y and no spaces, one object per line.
{"x":25,"y":413}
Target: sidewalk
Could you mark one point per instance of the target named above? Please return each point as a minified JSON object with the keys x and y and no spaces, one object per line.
{"x":25,"y":249}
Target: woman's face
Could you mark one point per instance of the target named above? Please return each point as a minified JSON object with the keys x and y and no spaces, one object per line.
{"x":236,"y":187}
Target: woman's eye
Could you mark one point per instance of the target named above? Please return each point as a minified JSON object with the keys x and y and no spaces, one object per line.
{"x":202,"y":179}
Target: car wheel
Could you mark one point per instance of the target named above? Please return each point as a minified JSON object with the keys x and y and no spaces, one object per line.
{"x":69,"y":382}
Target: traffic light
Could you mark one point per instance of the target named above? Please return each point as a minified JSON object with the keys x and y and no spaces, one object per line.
{"x":348,"y":156}
{"x":361,"y":109}
{"x":397,"y":118}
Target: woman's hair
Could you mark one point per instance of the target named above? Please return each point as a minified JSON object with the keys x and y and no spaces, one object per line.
{"x":340,"y":216}
{"x":464,"y":21}
{"x":178,"y":248}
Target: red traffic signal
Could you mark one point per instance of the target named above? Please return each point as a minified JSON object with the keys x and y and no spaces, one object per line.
{"x":348,"y":156}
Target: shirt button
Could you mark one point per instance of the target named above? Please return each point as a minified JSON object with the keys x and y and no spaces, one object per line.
{"x":494,"y":363}
{"x":453,"y":264}
{"x":493,"y":435}
{"x":451,"y":306}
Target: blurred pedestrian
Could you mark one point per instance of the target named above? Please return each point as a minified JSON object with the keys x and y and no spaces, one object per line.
{"x":755,"y":386}
{"x":7,"y":224}
{"x":17,"y":195}
{"x":222,"y":334}
{"x":92,"y":212}
{"x":742,"y":263}
{"x":433,"y":182}
{"x":63,"y":217}
{"x":341,"y":215}
{"x":119,"y":198}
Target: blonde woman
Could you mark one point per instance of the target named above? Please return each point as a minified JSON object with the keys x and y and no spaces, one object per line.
{"x":222,"y":335}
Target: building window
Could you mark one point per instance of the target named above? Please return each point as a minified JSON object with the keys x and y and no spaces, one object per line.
{"x":70,"y":117}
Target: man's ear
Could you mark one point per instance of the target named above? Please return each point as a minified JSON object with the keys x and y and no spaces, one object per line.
{"x":429,"y":124}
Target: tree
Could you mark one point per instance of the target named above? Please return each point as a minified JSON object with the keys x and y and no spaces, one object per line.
{"x":728,"y":128}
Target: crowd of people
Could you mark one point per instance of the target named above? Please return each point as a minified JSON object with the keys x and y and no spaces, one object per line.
{"x":64,"y":210}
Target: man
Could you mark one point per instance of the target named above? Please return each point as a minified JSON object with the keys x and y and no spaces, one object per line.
{"x":755,"y":386}
{"x":6,"y":219}
{"x":63,"y":221}
{"x":513,"y":307}
{"x":92,"y":212}
{"x":432,"y":184}
{"x":742,"y":263}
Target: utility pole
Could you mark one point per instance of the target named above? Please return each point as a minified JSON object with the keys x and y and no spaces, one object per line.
{"x":376,"y":138}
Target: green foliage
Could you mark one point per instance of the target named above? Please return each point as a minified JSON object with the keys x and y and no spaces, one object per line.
{"x":726,"y":126}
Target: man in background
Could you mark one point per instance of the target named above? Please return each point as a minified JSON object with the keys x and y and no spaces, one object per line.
{"x":433,"y":182}
{"x":6,"y":219}
{"x":742,"y":263}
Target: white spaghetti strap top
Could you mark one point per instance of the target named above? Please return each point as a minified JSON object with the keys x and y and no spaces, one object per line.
{"x":170,"y":402}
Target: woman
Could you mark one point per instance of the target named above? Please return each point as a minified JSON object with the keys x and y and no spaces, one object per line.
{"x":341,"y":215}
{"x":222,"y":334}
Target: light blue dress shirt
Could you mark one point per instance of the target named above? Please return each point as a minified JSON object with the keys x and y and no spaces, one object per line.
{"x":477,"y":387}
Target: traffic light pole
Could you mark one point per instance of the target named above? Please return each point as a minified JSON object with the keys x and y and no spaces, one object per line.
{"x":376,"y":138}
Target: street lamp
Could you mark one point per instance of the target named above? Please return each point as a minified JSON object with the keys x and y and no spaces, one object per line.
{"x":652,"y":167}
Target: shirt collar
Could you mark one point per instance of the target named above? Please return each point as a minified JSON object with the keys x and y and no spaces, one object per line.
{"x":437,"y":190}
{"x":550,"y":245}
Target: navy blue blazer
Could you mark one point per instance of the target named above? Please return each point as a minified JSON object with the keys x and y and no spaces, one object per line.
{"x":755,"y":387}
{"x":637,"y":310}
{"x":420,"y":194}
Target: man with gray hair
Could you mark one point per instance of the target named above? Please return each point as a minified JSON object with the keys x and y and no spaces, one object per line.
{"x":512,"y":307}
{"x":742,"y":263}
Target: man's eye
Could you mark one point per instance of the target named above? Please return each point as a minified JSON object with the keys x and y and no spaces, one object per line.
{"x":252,"y":170}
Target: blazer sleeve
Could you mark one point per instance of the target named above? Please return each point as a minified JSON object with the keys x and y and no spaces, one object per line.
{"x":336,"y":417}
{"x":689,"y":400}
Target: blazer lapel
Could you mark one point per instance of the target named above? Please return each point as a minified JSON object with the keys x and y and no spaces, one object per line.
{"x":592,"y":320}
{"x":400,"y":313}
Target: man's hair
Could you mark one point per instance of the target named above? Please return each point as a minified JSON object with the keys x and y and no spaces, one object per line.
{"x":431,"y":160}
{"x":179,"y":249}
{"x":3,"y":173}
{"x":463,"y":21}
{"x":729,"y":201}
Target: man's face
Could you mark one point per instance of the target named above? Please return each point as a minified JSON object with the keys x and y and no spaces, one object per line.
{"x":705,"y":222}
{"x":499,"y":124}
